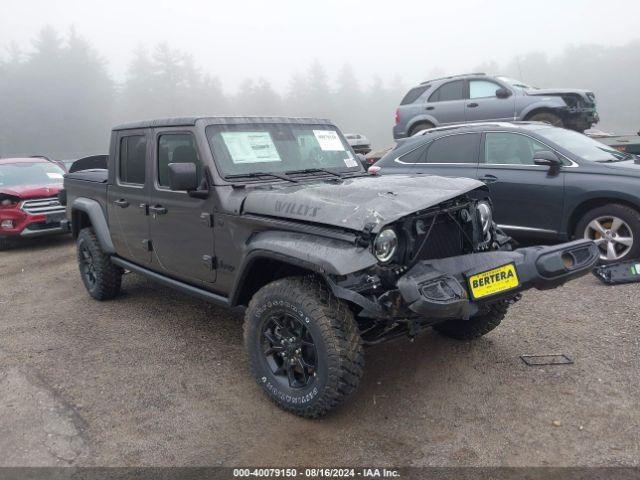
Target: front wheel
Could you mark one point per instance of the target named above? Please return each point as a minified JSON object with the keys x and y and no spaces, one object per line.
{"x":101,"y":278}
{"x":304,"y":346}
{"x":476,"y":326}
{"x":615,"y":229}
{"x":547,"y":117}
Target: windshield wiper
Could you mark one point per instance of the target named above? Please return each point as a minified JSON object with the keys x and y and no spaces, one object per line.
{"x":261,"y":174}
{"x":314,"y":170}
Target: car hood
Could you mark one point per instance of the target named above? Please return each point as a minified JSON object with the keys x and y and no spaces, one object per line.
{"x":25,"y":192}
{"x":356,"y":202}
{"x":627,"y":167}
{"x":556,"y":91}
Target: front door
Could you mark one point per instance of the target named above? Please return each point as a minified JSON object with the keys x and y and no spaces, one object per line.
{"x":128,"y":198}
{"x":483,"y":104}
{"x":528,"y":199}
{"x":181,"y":226}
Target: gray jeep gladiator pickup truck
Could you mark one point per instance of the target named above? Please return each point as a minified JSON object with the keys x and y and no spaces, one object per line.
{"x":278,"y":216}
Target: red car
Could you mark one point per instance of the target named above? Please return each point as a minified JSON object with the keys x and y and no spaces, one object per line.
{"x":29,"y":203}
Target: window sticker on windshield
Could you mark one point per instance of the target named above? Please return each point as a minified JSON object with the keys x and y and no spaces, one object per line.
{"x":350,"y":162}
{"x":329,"y":140}
{"x":54,"y":175}
{"x":250,"y":147}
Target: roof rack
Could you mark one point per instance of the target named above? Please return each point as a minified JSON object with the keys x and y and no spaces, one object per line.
{"x":452,"y":76}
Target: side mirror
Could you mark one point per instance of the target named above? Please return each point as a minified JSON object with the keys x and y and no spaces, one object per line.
{"x":546,"y":158}
{"x":503,"y":92}
{"x":183,"y":177}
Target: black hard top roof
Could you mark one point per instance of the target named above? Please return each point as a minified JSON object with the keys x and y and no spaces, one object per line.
{"x":220,"y":120}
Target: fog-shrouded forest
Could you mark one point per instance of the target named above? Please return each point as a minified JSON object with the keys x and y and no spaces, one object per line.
{"x":59,"y":98}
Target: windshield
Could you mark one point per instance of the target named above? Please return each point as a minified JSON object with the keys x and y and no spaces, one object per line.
{"x":30,"y":173}
{"x":516,"y":83}
{"x":583,"y":146}
{"x":279,"y":148}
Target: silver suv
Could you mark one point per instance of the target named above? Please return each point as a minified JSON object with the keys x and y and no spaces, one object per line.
{"x":477,"y":97}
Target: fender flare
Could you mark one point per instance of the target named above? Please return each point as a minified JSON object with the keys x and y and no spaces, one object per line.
{"x":322,"y":255}
{"x":98,"y":222}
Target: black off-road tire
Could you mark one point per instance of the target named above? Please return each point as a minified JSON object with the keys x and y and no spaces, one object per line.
{"x":629,"y":215}
{"x":476,"y":326}
{"x":334,"y":332}
{"x":548,"y":117}
{"x":420,"y":126}
{"x":105,"y":279}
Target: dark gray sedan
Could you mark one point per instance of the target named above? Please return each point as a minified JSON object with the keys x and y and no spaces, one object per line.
{"x":545,"y":182}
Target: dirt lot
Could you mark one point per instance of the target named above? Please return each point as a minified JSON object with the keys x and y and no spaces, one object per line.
{"x":158,"y":378}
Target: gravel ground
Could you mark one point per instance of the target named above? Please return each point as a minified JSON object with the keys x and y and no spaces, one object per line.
{"x":158,"y":378}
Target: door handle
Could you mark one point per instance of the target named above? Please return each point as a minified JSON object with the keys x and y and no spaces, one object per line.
{"x":158,"y":210}
{"x":488,"y":179}
{"x":472,"y":105}
{"x":122,"y":203}
{"x":429,"y":108}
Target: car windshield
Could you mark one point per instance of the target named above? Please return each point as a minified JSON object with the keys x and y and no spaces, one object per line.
{"x":30,"y":173}
{"x":280,"y":148}
{"x":516,"y":83}
{"x":583,"y":146}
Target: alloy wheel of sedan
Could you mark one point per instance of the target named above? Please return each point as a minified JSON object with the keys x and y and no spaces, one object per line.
{"x":612,"y":235}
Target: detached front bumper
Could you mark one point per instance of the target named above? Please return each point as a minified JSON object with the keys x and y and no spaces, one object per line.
{"x":442,"y":289}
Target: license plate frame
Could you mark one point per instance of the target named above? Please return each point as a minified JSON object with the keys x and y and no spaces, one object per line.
{"x":487,"y":285}
{"x":55,"y":218}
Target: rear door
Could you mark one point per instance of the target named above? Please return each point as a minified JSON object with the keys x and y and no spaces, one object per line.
{"x":482,"y":103}
{"x":446,"y":103}
{"x":181,"y":226}
{"x":128,"y":197}
{"x":528,"y":200}
{"x":454,"y":155}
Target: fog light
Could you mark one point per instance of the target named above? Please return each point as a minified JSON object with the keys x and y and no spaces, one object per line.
{"x":6,"y":224}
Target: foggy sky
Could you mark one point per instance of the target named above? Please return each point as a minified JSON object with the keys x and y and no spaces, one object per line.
{"x":246,"y":38}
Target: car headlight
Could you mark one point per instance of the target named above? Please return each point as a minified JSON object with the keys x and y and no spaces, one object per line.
{"x":486,"y":216}
{"x":385,"y":245}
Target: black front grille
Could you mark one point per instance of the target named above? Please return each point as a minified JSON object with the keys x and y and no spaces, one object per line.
{"x":445,"y":240}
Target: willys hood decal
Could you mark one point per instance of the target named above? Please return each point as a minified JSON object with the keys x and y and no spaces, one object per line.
{"x":354,"y":203}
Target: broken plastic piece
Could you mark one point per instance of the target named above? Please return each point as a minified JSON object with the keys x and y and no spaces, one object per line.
{"x":617,"y":273}
{"x":550,"y":359}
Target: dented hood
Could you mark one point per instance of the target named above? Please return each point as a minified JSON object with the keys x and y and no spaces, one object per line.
{"x":25,"y":192}
{"x":353,"y":203}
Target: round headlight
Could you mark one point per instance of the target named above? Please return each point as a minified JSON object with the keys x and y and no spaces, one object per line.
{"x":385,"y":245}
{"x":486,"y":216}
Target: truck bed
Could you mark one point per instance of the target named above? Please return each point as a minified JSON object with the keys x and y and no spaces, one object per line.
{"x":90,"y":184}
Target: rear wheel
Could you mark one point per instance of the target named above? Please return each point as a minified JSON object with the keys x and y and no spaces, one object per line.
{"x":304,"y":346}
{"x":476,"y":326}
{"x":615,"y":229}
{"x":101,"y":278}
{"x":547,"y":117}
{"x":418,"y":127}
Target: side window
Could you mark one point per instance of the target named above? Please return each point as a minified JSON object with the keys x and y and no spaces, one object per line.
{"x":461,"y":148}
{"x":482,"y":89}
{"x":449,"y":91}
{"x":414,"y":156}
{"x":503,"y":148}
{"x":413,"y":94}
{"x":133,"y":155}
{"x":175,"y":148}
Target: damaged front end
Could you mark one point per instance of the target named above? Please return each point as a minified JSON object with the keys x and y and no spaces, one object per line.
{"x":450,"y":262}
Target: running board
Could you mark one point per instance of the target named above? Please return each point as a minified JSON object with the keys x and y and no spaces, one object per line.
{"x":170,"y":282}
